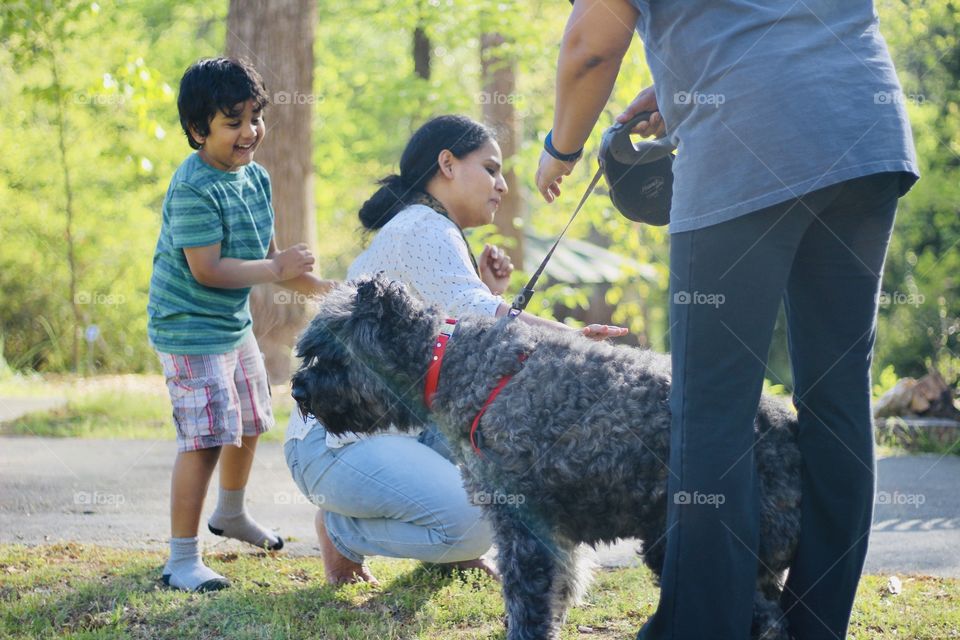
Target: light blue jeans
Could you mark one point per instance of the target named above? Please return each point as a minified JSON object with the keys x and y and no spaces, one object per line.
{"x":390,"y":495}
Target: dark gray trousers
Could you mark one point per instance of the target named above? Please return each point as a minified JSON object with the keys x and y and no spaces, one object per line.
{"x":823,"y":255}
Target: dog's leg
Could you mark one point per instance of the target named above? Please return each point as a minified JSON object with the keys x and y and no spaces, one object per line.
{"x":573,"y":578}
{"x":769,"y":622}
{"x":531,"y":569}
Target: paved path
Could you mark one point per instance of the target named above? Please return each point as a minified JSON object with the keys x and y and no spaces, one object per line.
{"x":13,"y":408}
{"x":116,"y":493}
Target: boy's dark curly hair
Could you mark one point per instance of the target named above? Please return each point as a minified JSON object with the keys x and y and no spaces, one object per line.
{"x":217,"y":84}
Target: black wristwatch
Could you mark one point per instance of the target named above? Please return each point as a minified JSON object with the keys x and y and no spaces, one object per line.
{"x":563,"y":157}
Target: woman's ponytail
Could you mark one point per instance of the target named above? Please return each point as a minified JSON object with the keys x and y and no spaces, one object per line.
{"x":388,"y":200}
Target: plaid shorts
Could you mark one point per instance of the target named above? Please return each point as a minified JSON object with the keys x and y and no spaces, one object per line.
{"x":218,"y":397}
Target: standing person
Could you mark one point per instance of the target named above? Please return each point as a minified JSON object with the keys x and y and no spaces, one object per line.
{"x":390,"y":494}
{"x":216,"y":242}
{"x":793,"y":147}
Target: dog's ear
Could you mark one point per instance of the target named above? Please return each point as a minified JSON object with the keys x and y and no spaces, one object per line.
{"x":370,"y":297}
{"x":380,"y":299}
{"x":336,"y":308}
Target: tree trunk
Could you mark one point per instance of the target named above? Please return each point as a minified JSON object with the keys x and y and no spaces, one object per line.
{"x":75,"y":297}
{"x":498,"y":100}
{"x":277,"y":37}
{"x":421,"y":52}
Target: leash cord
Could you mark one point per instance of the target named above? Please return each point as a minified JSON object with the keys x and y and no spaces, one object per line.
{"x":522,"y":299}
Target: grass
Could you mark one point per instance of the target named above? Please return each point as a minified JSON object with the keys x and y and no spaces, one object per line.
{"x":75,"y":591}
{"x":128,"y":406}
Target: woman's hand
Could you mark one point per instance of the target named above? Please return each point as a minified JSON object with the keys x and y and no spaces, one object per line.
{"x":603,"y":331}
{"x":495,"y":268}
{"x":550,"y":174}
{"x":646,"y":100}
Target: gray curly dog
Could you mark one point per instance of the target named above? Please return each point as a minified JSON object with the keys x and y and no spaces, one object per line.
{"x":574,"y":448}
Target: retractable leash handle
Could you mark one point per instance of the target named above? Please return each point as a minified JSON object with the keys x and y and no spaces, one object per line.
{"x":639,"y":175}
{"x":616,"y":143}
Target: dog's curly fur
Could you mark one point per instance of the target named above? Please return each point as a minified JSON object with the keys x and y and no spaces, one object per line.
{"x":575,"y":446}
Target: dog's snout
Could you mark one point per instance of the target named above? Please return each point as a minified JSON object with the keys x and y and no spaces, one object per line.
{"x":299,"y":393}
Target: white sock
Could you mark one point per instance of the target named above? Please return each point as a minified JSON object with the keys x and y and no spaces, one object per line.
{"x":186,"y":571}
{"x":231,"y":520}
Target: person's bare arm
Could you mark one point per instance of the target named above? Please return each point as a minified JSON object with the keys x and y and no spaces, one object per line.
{"x":309,"y":285}
{"x":212,"y":270}
{"x":595,"y":331}
{"x":596,"y":38}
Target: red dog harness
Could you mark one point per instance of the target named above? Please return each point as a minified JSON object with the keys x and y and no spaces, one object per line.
{"x":433,"y":379}
{"x":433,"y":371}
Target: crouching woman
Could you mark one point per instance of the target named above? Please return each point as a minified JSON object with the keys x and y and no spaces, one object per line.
{"x":393,"y":494}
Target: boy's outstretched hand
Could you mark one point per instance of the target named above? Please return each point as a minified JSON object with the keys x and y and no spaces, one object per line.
{"x":293,"y":261}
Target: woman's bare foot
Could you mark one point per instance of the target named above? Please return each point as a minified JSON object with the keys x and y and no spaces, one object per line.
{"x":338,"y":568}
{"x":466,"y":565}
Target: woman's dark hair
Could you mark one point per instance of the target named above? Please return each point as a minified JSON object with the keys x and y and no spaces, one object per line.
{"x":418,"y":164}
{"x":217,"y":84}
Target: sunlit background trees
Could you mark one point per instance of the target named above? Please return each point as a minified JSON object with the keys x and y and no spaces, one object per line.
{"x":90,"y":138}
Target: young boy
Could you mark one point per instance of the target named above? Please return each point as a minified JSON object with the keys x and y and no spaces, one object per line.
{"x":216,"y":242}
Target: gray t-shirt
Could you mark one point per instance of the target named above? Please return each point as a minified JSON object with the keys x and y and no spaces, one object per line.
{"x":767,"y":101}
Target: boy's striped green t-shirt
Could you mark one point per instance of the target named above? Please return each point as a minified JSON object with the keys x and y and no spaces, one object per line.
{"x":204,"y":206}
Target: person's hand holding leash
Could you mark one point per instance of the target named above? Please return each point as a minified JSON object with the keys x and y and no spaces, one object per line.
{"x":646,"y":100}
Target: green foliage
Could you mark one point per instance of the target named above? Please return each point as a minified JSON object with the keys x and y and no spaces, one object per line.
{"x":87,"y":70}
{"x":118,"y":65}
{"x":885,"y":381}
{"x":920,"y":311}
